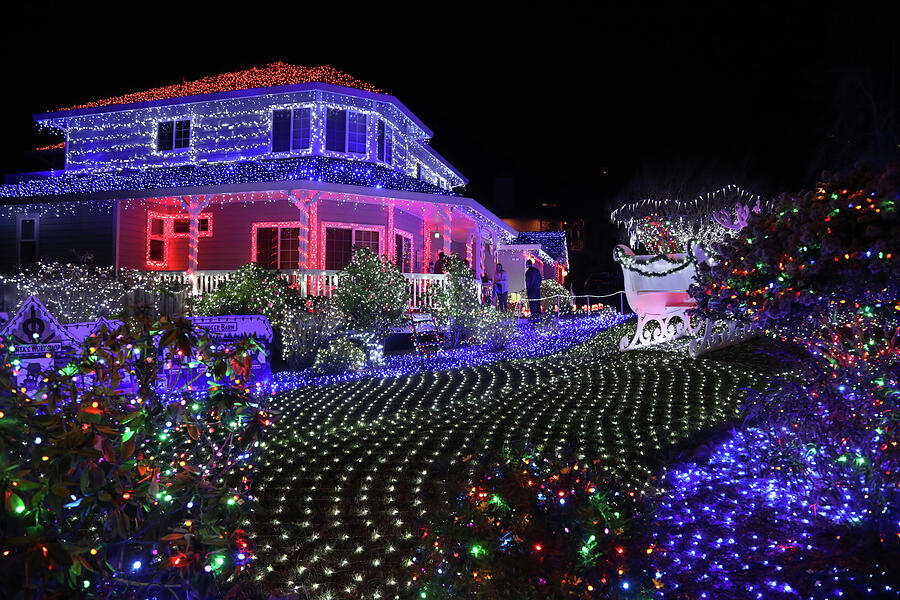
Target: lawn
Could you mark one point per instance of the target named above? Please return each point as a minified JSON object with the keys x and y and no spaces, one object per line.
{"x":343,"y":474}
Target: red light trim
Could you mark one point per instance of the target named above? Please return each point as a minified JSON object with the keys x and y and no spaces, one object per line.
{"x":168,"y":233}
{"x":271,"y":75}
{"x":278,"y":224}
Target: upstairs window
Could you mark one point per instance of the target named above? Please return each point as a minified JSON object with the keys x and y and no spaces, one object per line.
{"x":291,"y":129}
{"x":173,"y":135}
{"x":385,"y":143}
{"x":345,"y":131}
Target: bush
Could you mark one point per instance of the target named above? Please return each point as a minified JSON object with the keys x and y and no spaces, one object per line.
{"x":75,"y":293}
{"x":305,"y":332}
{"x":253,"y":290}
{"x":340,"y":355}
{"x":112,"y":490}
{"x":457,"y":307}
{"x":372,"y":293}
{"x":550,"y":291}
{"x":533,"y":525}
{"x":495,"y":329}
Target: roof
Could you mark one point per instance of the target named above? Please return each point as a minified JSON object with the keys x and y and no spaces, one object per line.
{"x":553,"y":243}
{"x":312,"y":168}
{"x":271,"y":75}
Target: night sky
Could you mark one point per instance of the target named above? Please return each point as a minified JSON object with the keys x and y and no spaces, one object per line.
{"x":583,"y":110}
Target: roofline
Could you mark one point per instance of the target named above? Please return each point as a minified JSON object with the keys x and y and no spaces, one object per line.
{"x":247,"y":93}
{"x":267,"y":186}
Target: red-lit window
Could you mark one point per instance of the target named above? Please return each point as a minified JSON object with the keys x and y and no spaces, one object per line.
{"x":277,"y":245}
{"x":403,"y":252}
{"x":162,"y":227}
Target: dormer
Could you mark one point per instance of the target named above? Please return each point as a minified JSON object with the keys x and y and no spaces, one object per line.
{"x":262,"y":114}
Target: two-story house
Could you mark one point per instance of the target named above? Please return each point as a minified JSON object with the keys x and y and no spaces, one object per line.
{"x":287,"y":166}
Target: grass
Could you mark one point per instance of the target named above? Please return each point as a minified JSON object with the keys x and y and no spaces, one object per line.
{"x":342,"y":476}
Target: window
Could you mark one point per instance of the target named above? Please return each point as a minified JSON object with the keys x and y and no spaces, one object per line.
{"x":385,"y":143}
{"x":338,"y":247}
{"x":162,"y":227}
{"x":173,"y":135}
{"x":356,"y":132}
{"x":340,"y":242}
{"x":345,"y":131}
{"x":277,"y":246}
{"x":291,"y":129}
{"x":403,"y":252}
{"x":27,"y":238}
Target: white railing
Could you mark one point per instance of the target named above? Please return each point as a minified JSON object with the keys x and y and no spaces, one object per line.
{"x":313,"y":282}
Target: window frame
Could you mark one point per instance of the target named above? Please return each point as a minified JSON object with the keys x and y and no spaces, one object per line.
{"x":279,"y":225}
{"x":354,"y":227}
{"x":406,"y":237}
{"x":36,"y":236}
{"x":175,"y":122}
{"x":291,"y":150}
{"x":346,"y":148}
{"x":384,"y":142}
{"x":168,"y":233}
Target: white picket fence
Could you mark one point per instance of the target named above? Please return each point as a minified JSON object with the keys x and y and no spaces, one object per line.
{"x":319,"y":282}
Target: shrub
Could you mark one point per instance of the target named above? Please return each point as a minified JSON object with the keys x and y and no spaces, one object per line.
{"x":550,"y":291}
{"x":305,"y":332}
{"x":113,"y":490}
{"x":495,"y":329}
{"x":457,"y":308}
{"x":252,"y":290}
{"x":533,"y":525}
{"x":76,"y":293}
{"x":340,"y":355}
{"x":372,"y":293}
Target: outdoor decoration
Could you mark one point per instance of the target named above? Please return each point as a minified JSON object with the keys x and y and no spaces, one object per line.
{"x":555,"y":299}
{"x":112,"y":493}
{"x":534,"y":526}
{"x":817,"y":465}
{"x":457,"y":306}
{"x":666,"y":226}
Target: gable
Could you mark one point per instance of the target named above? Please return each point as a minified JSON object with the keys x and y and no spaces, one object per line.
{"x":35,"y":331}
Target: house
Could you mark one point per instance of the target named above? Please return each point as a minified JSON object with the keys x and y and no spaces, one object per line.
{"x":287,"y":166}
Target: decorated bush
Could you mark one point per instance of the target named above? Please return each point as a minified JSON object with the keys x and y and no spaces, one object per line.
{"x":495,"y":329}
{"x":372,"y":293}
{"x":112,"y":490}
{"x":340,"y":355}
{"x":252,"y":290}
{"x":816,"y":469}
{"x":550,"y":291}
{"x":457,"y":307}
{"x":83,"y":292}
{"x":534,"y":525}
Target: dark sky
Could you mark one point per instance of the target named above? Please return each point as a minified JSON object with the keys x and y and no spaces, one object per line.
{"x":658,"y":99}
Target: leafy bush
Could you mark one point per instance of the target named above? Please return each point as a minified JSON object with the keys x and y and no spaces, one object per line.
{"x":533,"y":525}
{"x":340,"y":355}
{"x":372,"y":293}
{"x":457,"y":308}
{"x":821,"y":270}
{"x":305,"y":332}
{"x":76,"y":293}
{"x":252,"y":290}
{"x":495,"y":329}
{"x":550,"y":291}
{"x":112,"y":490}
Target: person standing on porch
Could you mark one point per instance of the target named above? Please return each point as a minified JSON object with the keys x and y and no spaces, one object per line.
{"x":439,"y":265}
{"x":533,"y":289}
{"x":501,"y":288}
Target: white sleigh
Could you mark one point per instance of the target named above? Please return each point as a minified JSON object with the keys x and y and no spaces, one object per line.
{"x":656,"y":288}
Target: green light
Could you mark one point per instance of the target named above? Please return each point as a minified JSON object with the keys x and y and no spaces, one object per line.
{"x":20,"y":509}
{"x":476,"y":550}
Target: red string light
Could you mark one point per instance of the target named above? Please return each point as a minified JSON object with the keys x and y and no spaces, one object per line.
{"x":271,"y":75}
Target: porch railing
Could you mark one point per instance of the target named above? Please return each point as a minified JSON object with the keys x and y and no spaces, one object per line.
{"x":319,"y":282}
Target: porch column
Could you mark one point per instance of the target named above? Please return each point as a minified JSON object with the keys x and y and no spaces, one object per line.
{"x":426,"y":235}
{"x":477,"y":257}
{"x":390,"y":246}
{"x":304,"y":200}
{"x":193,"y":205}
{"x":446,"y":228}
